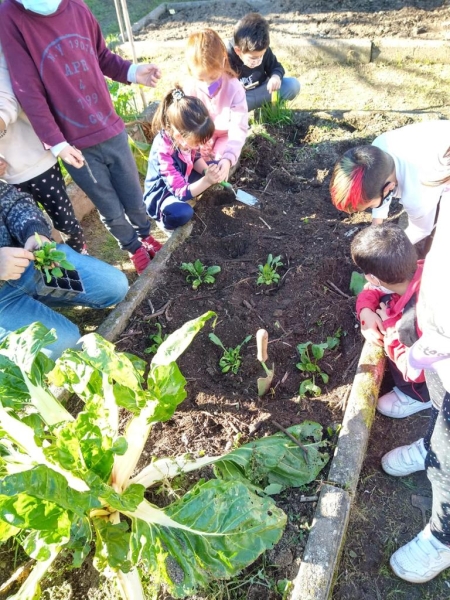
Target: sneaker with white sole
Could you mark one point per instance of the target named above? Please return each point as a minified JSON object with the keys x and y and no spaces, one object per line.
{"x":405,"y":460}
{"x":398,"y":405}
{"x":421,"y":559}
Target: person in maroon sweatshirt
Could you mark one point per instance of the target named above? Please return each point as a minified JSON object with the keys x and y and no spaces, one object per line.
{"x":57,"y":59}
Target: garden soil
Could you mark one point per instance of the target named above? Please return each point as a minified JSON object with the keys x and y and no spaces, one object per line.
{"x":288,"y":168}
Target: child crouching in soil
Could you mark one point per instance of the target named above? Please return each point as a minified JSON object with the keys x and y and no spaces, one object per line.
{"x":389,"y":261}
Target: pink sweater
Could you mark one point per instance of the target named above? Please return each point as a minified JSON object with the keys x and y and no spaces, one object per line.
{"x":228,"y":110}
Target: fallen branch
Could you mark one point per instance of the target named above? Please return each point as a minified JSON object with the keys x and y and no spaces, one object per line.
{"x":17,"y":578}
{"x":159,"y":312}
{"x":292,"y":438}
{"x":337,"y":290}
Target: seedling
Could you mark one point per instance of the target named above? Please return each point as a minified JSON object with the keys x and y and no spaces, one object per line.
{"x":198,"y":273}
{"x":310,"y":354}
{"x":276,"y":112}
{"x":50,"y":260}
{"x":231,"y":358}
{"x":268,"y":272}
{"x":157,"y":338}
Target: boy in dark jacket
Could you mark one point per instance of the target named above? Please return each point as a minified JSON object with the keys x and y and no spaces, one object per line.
{"x":256,"y":65}
{"x":20,"y":302}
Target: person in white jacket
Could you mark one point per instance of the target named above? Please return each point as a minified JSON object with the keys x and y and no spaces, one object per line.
{"x":25,"y":164}
{"x":399,"y":164}
{"x":428,"y":554}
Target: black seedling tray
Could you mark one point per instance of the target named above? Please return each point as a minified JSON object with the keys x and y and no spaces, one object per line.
{"x":69,"y":284}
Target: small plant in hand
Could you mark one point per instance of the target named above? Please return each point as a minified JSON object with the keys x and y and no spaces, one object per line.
{"x":231,"y":358}
{"x":268,"y":272}
{"x":198,"y":273}
{"x":310,"y":354}
{"x":49,"y":260}
{"x":157,"y":338}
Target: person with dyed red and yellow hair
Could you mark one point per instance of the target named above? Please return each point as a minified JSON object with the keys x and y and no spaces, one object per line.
{"x":399,"y":164}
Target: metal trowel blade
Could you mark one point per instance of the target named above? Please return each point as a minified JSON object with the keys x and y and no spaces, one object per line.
{"x":247,"y":199}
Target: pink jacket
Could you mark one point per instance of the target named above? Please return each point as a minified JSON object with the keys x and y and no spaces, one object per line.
{"x":228,"y":109}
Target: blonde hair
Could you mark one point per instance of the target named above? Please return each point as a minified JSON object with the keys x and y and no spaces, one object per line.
{"x":205,"y":50}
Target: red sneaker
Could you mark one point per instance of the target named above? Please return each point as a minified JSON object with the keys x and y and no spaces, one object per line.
{"x":151,"y":245}
{"x":140,"y":259}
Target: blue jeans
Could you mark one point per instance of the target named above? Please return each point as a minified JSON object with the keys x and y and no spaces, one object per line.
{"x":117,"y":195}
{"x":290,"y":88}
{"x":20,"y":304}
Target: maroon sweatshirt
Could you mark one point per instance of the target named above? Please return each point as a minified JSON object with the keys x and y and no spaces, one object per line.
{"x":57,"y":65}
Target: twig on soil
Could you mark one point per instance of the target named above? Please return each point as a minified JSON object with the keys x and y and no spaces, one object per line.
{"x":308,"y":499}
{"x":247,"y":304}
{"x":235,"y":260}
{"x":284,"y":276}
{"x":159,"y":312}
{"x":16,"y":578}
{"x":342,"y":404}
{"x":335,"y":288}
{"x":238,"y":282}
{"x":204,"y":224}
{"x":350,"y":367}
{"x":151,"y":305}
{"x":267,"y":185}
{"x":266,"y":224}
{"x":292,"y":438}
{"x":273,"y":237}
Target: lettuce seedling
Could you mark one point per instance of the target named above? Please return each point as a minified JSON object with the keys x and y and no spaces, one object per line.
{"x":49,"y":260}
{"x":268,"y":272}
{"x":69,"y":482}
{"x":231,"y":358}
{"x":310,"y":354}
{"x":198,"y":273}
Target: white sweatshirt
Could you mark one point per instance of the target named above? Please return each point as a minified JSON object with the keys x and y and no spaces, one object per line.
{"x":417,"y":151}
{"x":20,"y":146}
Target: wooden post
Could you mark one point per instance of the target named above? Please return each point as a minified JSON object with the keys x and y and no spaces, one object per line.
{"x":126,"y":17}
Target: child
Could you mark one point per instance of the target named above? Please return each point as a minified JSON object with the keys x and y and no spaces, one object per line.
{"x":400,"y":164}
{"x":256,"y":65}
{"x":20,"y":303}
{"x":389,"y":261}
{"x":57,"y":59}
{"x":32,"y":169}
{"x":215,"y":84}
{"x":181,"y":124}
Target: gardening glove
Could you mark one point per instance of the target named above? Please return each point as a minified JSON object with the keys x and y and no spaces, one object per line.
{"x":13,"y":262}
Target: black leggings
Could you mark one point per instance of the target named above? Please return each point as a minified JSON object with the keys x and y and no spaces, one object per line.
{"x":49,"y":190}
{"x":437,"y":462}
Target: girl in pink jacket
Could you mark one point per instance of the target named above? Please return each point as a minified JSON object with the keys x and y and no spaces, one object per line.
{"x":214,"y":82}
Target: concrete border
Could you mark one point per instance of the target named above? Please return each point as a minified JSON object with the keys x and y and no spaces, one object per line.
{"x":326,"y":50}
{"x":326,"y":538}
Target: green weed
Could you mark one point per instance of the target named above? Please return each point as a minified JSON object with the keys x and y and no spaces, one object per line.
{"x":198,"y":273}
{"x":231,"y":358}
{"x":157,"y":338}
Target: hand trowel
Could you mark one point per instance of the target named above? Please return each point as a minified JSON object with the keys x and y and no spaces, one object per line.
{"x":242,"y":196}
{"x":264,"y":383}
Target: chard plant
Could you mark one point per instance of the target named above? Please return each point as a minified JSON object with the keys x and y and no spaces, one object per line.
{"x":231,"y":358}
{"x":198,"y":273}
{"x":310,"y":354}
{"x":157,"y":338}
{"x":69,"y":483}
{"x":49,"y":260}
{"x":268,"y":272}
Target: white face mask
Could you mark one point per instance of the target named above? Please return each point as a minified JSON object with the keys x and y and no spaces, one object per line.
{"x":378,"y":286}
{"x":251,"y":63}
{"x":42,"y":7}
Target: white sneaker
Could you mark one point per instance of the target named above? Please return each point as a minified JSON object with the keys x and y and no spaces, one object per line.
{"x":405,"y":459}
{"x":398,"y":405}
{"x":421,"y":559}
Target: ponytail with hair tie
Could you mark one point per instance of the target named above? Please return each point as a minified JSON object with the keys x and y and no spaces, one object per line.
{"x":177,"y":94}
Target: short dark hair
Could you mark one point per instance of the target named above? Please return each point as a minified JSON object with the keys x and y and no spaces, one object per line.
{"x":386,"y":252}
{"x":251,"y":33}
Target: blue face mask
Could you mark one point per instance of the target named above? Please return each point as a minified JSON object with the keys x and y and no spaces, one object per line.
{"x":42,"y":7}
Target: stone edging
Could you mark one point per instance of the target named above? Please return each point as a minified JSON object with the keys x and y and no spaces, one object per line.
{"x":322,"y":50}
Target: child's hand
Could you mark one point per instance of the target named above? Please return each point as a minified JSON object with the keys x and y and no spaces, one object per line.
{"x":212,"y":175}
{"x":372,"y":327}
{"x":382,"y":311}
{"x":32,"y":243}
{"x":224,"y":169}
{"x":13,"y":262}
{"x":148,"y":74}
{"x":72,"y":156}
{"x":274,"y":83}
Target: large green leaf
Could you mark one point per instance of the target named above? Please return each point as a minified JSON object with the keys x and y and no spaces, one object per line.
{"x":179,"y":340}
{"x":46,"y":484}
{"x":244,"y":525}
{"x":112,"y":545}
{"x":26,"y":511}
{"x":167,"y":384}
{"x":277,"y":459}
